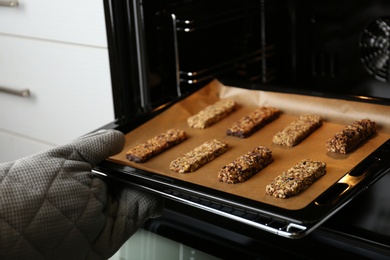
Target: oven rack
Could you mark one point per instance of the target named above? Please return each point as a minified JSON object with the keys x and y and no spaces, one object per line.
{"x":246,"y":216}
{"x":223,"y":208}
{"x":256,"y":58}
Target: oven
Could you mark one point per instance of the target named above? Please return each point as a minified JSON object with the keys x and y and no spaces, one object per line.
{"x":170,"y":58}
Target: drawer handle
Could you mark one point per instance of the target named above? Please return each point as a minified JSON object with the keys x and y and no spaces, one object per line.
{"x":9,"y":3}
{"x":20,"y":93}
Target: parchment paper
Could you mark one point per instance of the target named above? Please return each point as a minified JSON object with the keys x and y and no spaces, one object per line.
{"x":336,"y":114}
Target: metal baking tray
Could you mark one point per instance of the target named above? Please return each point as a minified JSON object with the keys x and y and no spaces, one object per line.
{"x":295,"y":217}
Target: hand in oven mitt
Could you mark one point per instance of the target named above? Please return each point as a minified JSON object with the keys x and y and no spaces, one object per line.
{"x":53,"y":207}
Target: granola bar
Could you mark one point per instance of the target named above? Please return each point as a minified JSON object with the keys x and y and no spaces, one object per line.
{"x":252,"y":122}
{"x":245,"y":166}
{"x":296,"y":179}
{"x":212,"y":114}
{"x":156,"y":145}
{"x":351,"y":136}
{"x":201,"y":155}
{"x":297,"y":130}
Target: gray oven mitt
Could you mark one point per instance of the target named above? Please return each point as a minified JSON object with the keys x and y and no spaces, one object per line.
{"x":53,"y":207}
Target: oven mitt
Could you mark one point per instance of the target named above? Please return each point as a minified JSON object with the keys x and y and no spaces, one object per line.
{"x":53,"y":207}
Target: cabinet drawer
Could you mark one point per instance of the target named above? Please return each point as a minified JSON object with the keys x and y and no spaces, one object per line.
{"x":70,"y":89}
{"x":72,"y":21}
{"x":13,"y":147}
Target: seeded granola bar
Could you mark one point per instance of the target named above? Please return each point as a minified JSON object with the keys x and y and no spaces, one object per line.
{"x":212,"y":114}
{"x":245,"y":166}
{"x":252,"y":122}
{"x":296,"y":179}
{"x":297,"y":130}
{"x":351,"y":136}
{"x":201,"y":155}
{"x":156,"y":145}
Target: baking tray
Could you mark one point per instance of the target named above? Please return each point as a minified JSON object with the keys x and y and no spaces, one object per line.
{"x":247,"y":202}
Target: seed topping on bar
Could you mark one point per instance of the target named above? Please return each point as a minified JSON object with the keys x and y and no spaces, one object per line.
{"x":252,"y":122}
{"x":351,"y":136}
{"x":296,"y":179}
{"x":156,"y":145}
{"x":245,"y":166}
{"x":201,"y":155}
{"x":297,"y":130}
{"x":212,"y":114}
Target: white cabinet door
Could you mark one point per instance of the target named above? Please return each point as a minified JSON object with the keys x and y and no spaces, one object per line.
{"x":70,"y":89}
{"x":79,"y":22}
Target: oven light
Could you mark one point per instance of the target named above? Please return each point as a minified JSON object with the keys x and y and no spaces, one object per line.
{"x":190,"y":74}
{"x":364,"y":97}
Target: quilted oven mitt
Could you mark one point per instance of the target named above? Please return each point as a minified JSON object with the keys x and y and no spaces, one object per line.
{"x":53,"y":207}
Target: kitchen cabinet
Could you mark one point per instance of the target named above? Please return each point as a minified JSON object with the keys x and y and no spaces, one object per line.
{"x":58,"y":51}
{"x":15,"y":146}
{"x":77,"y":22}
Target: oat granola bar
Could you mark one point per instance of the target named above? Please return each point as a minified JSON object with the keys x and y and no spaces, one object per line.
{"x":297,"y":130}
{"x":201,"y":155}
{"x":296,"y":179}
{"x":252,"y":122}
{"x":245,"y":166}
{"x":351,"y":136}
{"x":212,"y":114}
{"x":156,"y":145}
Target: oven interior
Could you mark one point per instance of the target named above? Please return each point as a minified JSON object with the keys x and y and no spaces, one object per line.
{"x":164,"y":50}
{"x":161,"y":50}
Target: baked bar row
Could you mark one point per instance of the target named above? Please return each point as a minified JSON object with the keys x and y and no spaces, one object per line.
{"x":343,"y":142}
